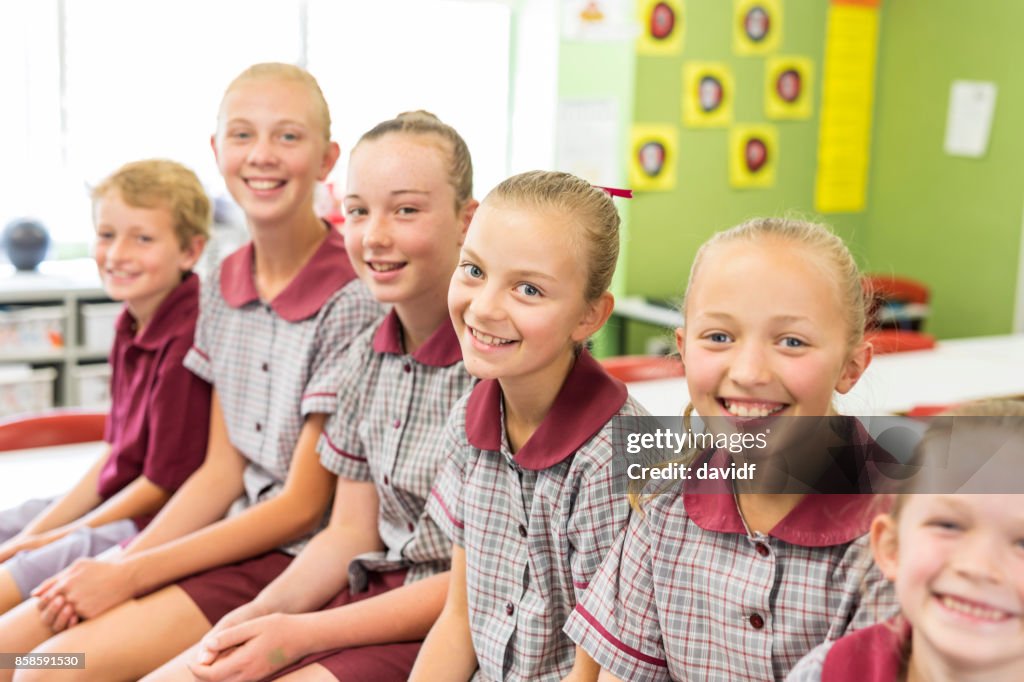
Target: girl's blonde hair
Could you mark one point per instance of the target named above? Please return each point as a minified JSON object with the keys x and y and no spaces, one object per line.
{"x":284,"y":72}
{"x":460,"y":168}
{"x":160,"y":183}
{"x":814,"y":237}
{"x":589,"y":208}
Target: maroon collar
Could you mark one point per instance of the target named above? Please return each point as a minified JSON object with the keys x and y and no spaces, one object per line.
{"x":874,"y":654}
{"x":442,"y":349}
{"x":588,"y":399}
{"x":326,"y":272}
{"x":816,"y":521}
{"x":170,"y":316}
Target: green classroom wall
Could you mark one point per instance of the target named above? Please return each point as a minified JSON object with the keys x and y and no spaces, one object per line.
{"x":954,"y":223}
{"x":604,"y":70}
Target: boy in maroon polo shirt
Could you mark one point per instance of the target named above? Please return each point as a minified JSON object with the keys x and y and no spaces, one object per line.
{"x":152,"y":220}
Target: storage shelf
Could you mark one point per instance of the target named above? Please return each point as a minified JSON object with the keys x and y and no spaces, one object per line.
{"x":70,"y":285}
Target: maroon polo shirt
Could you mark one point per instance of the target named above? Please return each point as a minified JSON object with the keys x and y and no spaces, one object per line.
{"x":874,"y":654}
{"x":160,"y":411}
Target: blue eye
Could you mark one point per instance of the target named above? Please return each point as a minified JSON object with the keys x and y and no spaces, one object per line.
{"x":792,"y":342}
{"x":718,"y":337}
{"x":472,"y":271}
{"x":289,"y":137}
{"x":528,"y":290}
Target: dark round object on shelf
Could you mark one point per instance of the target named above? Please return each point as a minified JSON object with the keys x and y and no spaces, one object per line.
{"x":25,"y":241}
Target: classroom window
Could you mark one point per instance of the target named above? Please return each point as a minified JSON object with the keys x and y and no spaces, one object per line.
{"x":96,"y":83}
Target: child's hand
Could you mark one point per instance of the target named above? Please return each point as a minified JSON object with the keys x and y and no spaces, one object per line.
{"x":89,"y":586}
{"x":251,"y":650}
{"x":57,"y":614}
{"x":208,"y":649}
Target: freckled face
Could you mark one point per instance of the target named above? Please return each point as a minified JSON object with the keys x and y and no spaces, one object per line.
{"x":402,"y":229}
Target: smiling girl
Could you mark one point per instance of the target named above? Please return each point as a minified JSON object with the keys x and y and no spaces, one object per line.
{"x":739,"y":586}
{"x":527,"y":495}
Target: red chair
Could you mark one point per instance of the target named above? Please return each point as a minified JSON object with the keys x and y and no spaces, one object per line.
{"x":629,"y":368}
{"x":54,"y":427}
{"x":897,"y":302}
{"x":899,"y":340}
{"x":919,"y":411}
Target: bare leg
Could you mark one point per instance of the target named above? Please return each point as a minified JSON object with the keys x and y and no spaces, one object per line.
{"x":314,"y":672}
{"x":127,"y":642}
{"x":10,"y":595}
{"x":21,"y":630}
{"x":176,"y":669}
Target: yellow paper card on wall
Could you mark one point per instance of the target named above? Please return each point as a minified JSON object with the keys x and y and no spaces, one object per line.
{"x":753,"y":155}
{"x":661,"y":27}
{"x":756,"y":26}
{"x":787,"y":87}
{"x":847,"y":102}
{"x":708,"y":93}
{"x":653,"y":154}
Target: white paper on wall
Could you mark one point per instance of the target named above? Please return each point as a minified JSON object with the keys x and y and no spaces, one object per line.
{"x":971,"y":107}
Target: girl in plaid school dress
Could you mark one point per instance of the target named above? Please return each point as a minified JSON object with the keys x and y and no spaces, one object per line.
{"x":528,"y":495}
{"x":738,"y":586}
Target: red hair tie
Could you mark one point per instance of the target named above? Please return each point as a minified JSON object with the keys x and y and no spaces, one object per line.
{"x":615,"y":192}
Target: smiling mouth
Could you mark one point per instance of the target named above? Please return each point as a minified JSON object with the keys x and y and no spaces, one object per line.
{"x":751,"y":408}
{"x":385,"y":267}
{"x":489,"y":340}
{"x":973,"y":609}
{"x":261,"y":185}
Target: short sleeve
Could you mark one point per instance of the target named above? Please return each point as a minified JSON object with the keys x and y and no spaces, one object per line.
{"x":349,"y":312}
{"x":445,"y":504}
{"x":197,"y":360}
{"x":179,"y":419}
{"x":341,"y":449}
{"x":616,"y":619}
{"x":598,"y":516}
{"x":810,"y":667}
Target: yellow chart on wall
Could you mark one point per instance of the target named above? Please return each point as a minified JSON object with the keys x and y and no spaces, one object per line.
{"x":787,"y":87}
{"x":708,"y":93}
{"x":756,"y":26}
{"x":661,"y":27}
{"x":753,"y":155}
{"x":847,"y":101}
{"x":652,"y":157}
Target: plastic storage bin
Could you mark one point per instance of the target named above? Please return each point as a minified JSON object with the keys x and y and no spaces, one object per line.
{"x":31,"y":328}
{"x":23,"y":389}
{"x":93,"y":383}
{"x":98,"y":323}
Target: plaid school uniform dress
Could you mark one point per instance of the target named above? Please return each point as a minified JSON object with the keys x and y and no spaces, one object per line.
{"x":536,"y":524}
{"x":687,"y":593}
{"x":273,"y":364}
{"x":387,"y":428}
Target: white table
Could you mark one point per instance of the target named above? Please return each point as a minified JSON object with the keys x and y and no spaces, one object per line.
{"x":955,"y":371}
{"x":43,"y":472}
